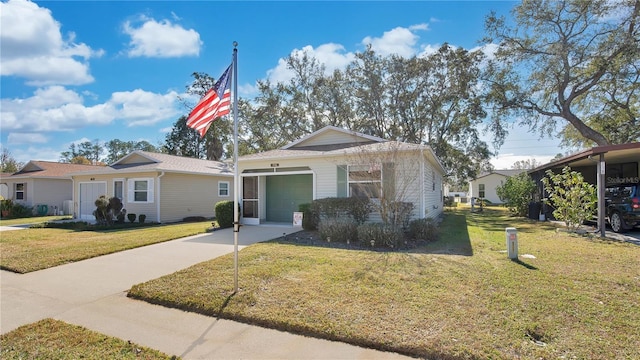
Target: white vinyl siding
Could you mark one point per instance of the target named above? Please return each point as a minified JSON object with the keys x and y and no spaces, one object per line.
{"x":178,"y":202}
{"x":223,"y":189}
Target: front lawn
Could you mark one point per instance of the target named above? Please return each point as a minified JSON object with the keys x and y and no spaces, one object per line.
{"x":32,"y":220}
{"x":53,"y":339}
{"x":459,"y":297}
{"x":40,"y":248}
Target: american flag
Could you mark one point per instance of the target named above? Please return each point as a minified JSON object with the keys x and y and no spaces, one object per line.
{"x":215,"y":103}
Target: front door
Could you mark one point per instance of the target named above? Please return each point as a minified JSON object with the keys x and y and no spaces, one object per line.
{"x":285,"y":193}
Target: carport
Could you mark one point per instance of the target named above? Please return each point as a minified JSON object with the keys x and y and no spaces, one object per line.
{"x":600,"y":166}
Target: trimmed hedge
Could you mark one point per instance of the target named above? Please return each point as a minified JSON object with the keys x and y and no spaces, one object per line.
{"x":224,"y":213}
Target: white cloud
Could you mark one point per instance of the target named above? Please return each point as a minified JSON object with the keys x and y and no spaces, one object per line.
{"x":33,"y":47}
{"x":332,"y":56}
{"x":58,"y":109}
{"x":15,"y":138}
{"x":505,"y":161}
{"x":139,"y":107}
{"x":161,"y":39}
{"x":399,"y":41}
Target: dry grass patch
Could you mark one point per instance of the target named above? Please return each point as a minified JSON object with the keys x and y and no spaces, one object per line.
{"x":459,"y":297}
{"x":53,"y":339}
{"x":40,"y":248}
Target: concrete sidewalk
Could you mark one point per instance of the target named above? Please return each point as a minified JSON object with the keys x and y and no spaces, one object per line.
{"x":92,"y":293}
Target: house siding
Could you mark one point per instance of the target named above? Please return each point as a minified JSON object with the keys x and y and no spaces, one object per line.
{"x":185,"y":195}
{"x":51,"y":192}
{"x":491,"y":182}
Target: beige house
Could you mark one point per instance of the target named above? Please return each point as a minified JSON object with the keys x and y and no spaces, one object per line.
{"x":334,"y":162}
{"x":45,"y":186}
{"x":484,"y":186}
{"x":163,"y":187}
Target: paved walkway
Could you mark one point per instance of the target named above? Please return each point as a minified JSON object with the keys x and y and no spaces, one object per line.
{"x":92,"y":293}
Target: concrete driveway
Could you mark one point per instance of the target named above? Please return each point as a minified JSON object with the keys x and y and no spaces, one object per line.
{"x":92,"y":293}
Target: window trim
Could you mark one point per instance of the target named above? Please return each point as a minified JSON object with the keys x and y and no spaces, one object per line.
{"x":131,"y":191}
{"x":374,"y":167}
{"x":23,"y":191}
{"x":227,"y":189}
{"x":481,"y":191}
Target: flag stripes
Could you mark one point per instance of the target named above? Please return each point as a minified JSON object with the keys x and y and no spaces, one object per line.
{"x":214,"y":104}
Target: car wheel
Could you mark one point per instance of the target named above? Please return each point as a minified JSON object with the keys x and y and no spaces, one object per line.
{"x":617,"y":223}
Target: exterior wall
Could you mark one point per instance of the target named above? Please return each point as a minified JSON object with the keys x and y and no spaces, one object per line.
{"x":183,"y":195}
{"x":29,"y":193}
{"x":414,"y":180}
{"x":491,"y":182}
{"x":149,"y":209}
{"x":51,"y":192}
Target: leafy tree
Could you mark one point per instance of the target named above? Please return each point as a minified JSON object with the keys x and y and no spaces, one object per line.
{"x":516,"y":193}
{"x":569,"y":59}
{"x":526,"y":164}
{"x":574,"y":200}
{"x":184,"y":141}
{"x":8,"y":164}
{"x":116,"y":148}
{"x":80,"y":160}
{"x":91,"y":151}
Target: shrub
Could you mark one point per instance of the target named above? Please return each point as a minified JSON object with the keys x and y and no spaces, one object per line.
{"x":142,"y":218}
{"x":309,"y":220}
{"x":121,"y":216}
{"x":131,"y":217}
{"x":516,"y":193}
{"x":423,"y":229}
{"x":194,"y":219}
{"x":224,"y":213}
{"x":338,"y":230}
{"x":21,"y":211}
{"x":358,"y":209}
{"x":5,"y":206}
{"x":376,"y":235}
{"x":574,"y":200}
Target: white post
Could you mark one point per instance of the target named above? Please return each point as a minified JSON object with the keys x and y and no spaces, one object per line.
{"x":236,"y":216}
{"x":512,"y":243}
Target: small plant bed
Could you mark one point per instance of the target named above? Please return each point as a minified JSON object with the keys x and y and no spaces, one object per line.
{"x":40,"y":248}
{"x":85,"y":226}
{"x":313,"y":238}
{"x":459,"y":297}
{"x":53,"y":339}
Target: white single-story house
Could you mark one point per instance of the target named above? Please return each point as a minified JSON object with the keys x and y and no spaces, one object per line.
{"x":334,"y":162}
{"x":46,"y":186}
{"x":484,"y":186}
{"x":165,"y":188}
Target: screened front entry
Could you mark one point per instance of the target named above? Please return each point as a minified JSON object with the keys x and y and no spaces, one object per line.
{"x":284,"y":193}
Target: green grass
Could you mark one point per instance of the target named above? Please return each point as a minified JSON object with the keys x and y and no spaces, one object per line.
{"x":459,"y":297}
{"x":32,"y":220}
{"x":40,"y":248}
{"x":53,"y":339}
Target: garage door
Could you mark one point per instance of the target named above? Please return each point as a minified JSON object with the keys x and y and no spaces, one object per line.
{"x":285,"y":193}
{"x":89,"y":192}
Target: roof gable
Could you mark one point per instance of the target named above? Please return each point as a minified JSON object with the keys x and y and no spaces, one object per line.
{"x":331,"y":135}
{"x":503,"y":173}
{"x":136,"y":157}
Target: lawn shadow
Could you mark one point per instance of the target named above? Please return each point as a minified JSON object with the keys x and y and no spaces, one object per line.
{"x":528,"y":266}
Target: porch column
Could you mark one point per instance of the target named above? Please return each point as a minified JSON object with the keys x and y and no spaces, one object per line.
{"x":601,"y":169}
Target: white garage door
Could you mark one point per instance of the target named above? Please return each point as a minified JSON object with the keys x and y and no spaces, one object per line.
{"x":89,"y":192}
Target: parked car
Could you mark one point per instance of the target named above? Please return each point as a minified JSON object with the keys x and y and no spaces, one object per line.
{"x":623,"y":206}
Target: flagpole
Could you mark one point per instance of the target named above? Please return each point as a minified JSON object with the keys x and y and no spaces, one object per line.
{"x":236,"y":182}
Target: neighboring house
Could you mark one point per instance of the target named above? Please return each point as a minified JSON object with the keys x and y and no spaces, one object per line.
{"x":44,"y":185}
{"x":334,"y":162}
{"x":484,"y":186}
{"x":165,"y":188}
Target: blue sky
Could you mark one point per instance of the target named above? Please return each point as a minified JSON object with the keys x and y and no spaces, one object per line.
{"x":100,"y":70}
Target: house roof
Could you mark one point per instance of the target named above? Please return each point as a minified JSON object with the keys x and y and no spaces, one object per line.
{"x":503,"y":172}
{"x":144,"y":161}
{"x":49,"y":169}
{"x":612,"y":153}
{"x":364,"y":144}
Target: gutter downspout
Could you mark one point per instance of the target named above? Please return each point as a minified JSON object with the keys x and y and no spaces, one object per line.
{"x":422,"y":193}
{"x":158,"y":197}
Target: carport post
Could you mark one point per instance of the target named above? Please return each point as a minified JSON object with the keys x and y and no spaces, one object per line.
{"x":601,"y":169}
